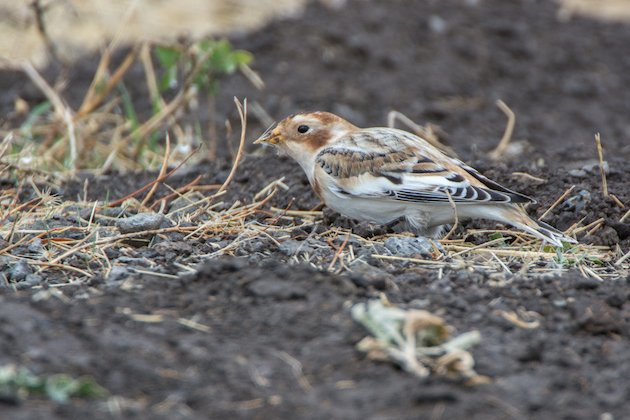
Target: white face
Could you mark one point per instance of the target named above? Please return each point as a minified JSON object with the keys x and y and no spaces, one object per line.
{"x":302,"y":136}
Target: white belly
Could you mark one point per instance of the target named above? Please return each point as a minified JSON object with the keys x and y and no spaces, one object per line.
{"x":371,"y":210}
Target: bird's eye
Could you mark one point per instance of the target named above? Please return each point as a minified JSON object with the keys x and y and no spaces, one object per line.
{"x":303,"y":129}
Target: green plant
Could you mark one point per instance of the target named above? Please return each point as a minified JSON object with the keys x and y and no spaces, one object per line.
{"x":20,"y":382}
{"x":202,"y":64}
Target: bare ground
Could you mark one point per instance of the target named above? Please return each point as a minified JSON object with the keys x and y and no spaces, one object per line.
{"x":256,"y":335}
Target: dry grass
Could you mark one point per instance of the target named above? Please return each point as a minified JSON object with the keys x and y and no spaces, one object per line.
{"x":105,"y":132}
{"x":75,"y":248}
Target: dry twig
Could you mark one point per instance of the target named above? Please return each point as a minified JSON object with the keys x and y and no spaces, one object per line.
{"x":507,"y":134}
{"x":555,"y":203}
{"x":602,"y":171}
{"x":242,"y":113}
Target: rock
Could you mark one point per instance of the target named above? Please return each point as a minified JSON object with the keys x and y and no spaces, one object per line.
{"x":118,"y":273}
{"x":187,"y":204}
{"x":134,"y":261}
{"x":140,"y":222}
{"x":437,"y":24}
{"x":30,"y":281}
{"x":19,"y":271}
{"x":5,"y":262}
{"x":410,"y":247}
{"x":106,"y":216}
{"x":291,"y":247}
{"x":365,"y":276}
{"x":36,"y":247}
{"x":578,"y":173}
{"x":576,"y":202}
{"x":174,"y":247}
{"x":589,"y":168}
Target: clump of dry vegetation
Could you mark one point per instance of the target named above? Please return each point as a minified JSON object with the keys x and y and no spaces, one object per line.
{"x":73,"y":238}
{"x":106,"y":131}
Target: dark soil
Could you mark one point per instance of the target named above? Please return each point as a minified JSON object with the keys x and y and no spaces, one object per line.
{"x":271,"y":339}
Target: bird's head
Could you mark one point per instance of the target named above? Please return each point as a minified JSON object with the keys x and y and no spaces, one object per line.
{"x":305,"y":134}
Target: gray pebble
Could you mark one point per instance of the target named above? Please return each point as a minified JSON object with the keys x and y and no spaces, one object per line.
{"x":35,"y":247}
{"x":118,"y":273}
{"x":137,"y":261}
{"x":576,"y":202}
{"x":409,"y":247}
{"x":19,"y":271}
{"x":190,"y":202}
{"x":291,"y":247}
{"x":30,"y":281}
{"x":589,"y":168}
{"x":5,"y":262}
{"x":140,"y":222}
{"x":437,"y":24}
{"x":578,"y":173}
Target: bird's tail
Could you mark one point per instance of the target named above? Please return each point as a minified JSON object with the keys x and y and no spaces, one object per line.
{"x":518,"y":218}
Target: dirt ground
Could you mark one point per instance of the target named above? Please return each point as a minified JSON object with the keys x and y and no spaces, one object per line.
{"x":257,"y":335}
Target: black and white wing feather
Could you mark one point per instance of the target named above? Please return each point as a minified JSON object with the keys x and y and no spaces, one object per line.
{"x":386,"y":163}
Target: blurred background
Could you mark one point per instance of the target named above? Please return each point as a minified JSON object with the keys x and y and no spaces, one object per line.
{"x":98,"y":84}
{"x":78,"y":27}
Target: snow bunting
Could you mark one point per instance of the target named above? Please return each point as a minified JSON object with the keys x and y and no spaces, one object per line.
{"x":383,"y":174}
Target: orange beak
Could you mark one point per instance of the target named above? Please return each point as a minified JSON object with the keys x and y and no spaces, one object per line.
{"x":271,"y":136}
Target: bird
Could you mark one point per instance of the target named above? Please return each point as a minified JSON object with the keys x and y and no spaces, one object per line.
{"x":383,"y":174}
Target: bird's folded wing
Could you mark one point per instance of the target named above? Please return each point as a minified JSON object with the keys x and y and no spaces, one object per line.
{"x":393,"y":164}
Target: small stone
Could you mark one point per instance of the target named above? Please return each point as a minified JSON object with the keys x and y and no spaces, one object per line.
{"x":5,"y":262}
{"x":291,"y":247}
{"x":35,"y":247}
{"x":113,"y":212}
{"x":589,"y":168}
{"x":410,"y":247}
{"x":30,"y":281}
{"x":86,"y":213}
{"x":578,"y":173}
{"x":560,"y":303}
{"x":19,"y":271}
{"x":118,"y":273}
{"x":437,"y":24}
{"x":365,"y":276}
{"x":576,"y":202}
{"x":187,"y":204}
{"x":140,"y":222}
{"x":176,"y":248}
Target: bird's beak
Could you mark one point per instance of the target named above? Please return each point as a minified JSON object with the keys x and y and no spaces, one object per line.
{"x":271,"y":136}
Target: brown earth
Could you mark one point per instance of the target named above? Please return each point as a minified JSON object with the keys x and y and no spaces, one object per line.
{"x":273,"y":340}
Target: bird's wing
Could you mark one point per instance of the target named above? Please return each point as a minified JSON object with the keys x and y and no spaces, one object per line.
{"x":393,"y":164}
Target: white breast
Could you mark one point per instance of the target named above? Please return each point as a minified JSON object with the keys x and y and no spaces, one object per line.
{"x":368,"y":209}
